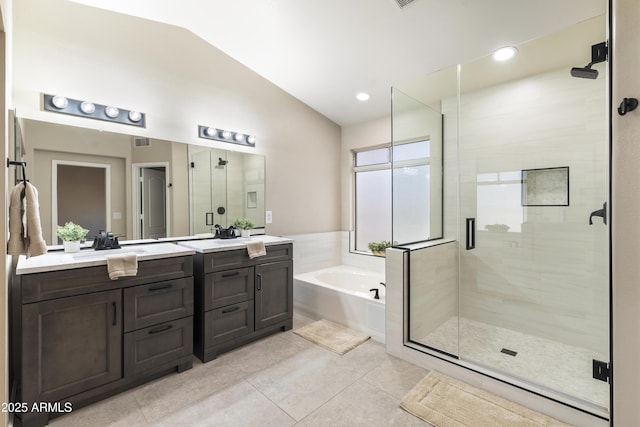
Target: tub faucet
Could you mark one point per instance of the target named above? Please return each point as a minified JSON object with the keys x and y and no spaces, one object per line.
{"x":376,"y":296}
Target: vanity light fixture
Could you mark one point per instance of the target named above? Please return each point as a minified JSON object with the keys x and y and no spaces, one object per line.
{"x":504,"y":53}
{"x":224,"y":135}
{"x":112,"y":112}
{"x":135,"y":116}
{"x":59,"y":102}
{"x":87,"y":109}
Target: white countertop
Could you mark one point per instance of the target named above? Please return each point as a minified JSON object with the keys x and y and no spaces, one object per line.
{"x":219,"y":245}
{"x":54,"y":261}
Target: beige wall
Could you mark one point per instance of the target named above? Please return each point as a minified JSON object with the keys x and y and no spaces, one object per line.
{"x":146,"y":66}
{"x":625,"y":208}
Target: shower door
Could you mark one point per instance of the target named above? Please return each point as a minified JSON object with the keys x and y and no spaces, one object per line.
{"x":533,"y":238}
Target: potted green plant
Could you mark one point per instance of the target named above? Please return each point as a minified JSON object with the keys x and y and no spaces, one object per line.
{"x":379,"y":248}
{"x":244,"y":225}
{"x":71,"y":235}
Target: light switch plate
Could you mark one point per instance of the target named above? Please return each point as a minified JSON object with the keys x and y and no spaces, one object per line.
{"x":268,"y":217}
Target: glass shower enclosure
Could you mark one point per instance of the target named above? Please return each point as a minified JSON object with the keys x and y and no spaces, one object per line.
{"x":517,"y":284}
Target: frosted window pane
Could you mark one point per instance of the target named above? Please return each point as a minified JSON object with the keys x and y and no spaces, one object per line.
{"x":373,"y":207}
{"x":372,"y":157}
{"x":411,"y":199}
{"x":411,"y":151}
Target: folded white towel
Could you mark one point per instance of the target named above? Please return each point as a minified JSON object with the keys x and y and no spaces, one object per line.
{"x":119,"y":265}
{"x":256,"y":248}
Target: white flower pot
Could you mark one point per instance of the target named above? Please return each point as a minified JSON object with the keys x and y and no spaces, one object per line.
{"x":245,"y":233}
{"x":71,"y":247}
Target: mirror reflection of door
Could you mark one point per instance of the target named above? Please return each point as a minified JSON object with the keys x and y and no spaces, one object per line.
{"x":153,"y":220}
{"x":82,"y":190}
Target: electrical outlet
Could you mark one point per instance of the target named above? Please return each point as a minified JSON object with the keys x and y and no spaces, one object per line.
{"x":268,"y":217}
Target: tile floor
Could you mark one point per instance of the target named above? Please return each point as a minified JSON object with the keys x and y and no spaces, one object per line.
{"x":282,"y":380}
{"x":549,"y":364}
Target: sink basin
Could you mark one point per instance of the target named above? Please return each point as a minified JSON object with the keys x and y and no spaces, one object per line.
{"x":89,"y":255}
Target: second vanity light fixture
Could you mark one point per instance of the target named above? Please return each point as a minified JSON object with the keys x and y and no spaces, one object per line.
{"x":74,"y":107}
{"x":223,"y":135}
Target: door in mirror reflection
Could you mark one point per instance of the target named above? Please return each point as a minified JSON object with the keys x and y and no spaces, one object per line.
{"x":153,"y":220}
{"x":81,"y":196}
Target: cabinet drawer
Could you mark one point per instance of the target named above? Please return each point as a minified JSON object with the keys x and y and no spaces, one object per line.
{"x":228,"y":287}
{"x":147,"y":305}
{"x":153,"y":346}
{"x":216,"y":261}
{"x":228,"y":322}
{"x":63,"y":283}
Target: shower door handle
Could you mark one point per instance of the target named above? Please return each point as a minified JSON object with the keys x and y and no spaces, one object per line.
{"x":471,"y":233}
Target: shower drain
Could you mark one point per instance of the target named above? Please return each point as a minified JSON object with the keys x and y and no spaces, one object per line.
{"x":509,"y":352}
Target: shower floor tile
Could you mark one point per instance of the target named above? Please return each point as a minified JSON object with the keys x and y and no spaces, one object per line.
{"x":547,"y":364}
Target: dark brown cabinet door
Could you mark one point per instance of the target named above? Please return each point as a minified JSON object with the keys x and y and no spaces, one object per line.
{"x":273,"y":293}
{"x":71,"y":345}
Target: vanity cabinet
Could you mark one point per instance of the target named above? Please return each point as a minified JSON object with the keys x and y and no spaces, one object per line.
{"x":239,"y":299}
{"x":71,"y":345}
{"x":81,"y":337}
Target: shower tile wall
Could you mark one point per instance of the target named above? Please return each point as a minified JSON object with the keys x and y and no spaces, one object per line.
{"x":548,"y":278}
{"x":434,"y":300}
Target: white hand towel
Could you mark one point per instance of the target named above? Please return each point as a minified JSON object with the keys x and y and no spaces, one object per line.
{"x":256,"y":248}
{"x":120,"y":265}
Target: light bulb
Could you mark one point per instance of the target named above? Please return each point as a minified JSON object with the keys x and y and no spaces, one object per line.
{"x":504,"y":53}
{"x":111,"y":112}
{"x":363,"y":96}
{"x":226,"y":134}
{"x":251,"y":139}
{"x":60,"y":102}
{"x":211,"y":132}
{"x":135,"y":116}
{"x":88,"y":107}
{"x":239,"y":137}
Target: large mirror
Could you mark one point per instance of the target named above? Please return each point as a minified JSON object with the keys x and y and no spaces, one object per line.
{"x":137,"y":188}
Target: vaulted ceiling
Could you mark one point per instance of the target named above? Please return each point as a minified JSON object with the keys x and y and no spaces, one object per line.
{"x":325,"y":51}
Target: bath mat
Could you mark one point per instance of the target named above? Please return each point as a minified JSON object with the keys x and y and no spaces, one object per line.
{"x":447,"y":402}
{"x":332,"y":336}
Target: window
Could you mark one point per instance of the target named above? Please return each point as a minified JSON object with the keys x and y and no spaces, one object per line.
{"x":374,"y":197}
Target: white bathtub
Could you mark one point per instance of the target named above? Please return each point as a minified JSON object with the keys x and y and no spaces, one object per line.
{"x":341,"y":294}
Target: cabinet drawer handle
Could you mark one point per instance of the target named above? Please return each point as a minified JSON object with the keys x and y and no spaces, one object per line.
{"x":259,"y":284}
{"x":235,"y":273}
{"x":160,"y":329}
{"x":230,"y":310}
{"x":159,"y":287}
{"x":115,"y":313}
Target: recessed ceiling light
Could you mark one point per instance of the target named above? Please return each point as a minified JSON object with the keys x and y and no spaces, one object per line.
{"x":504,"y":53}
{"x":363,"y":96}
